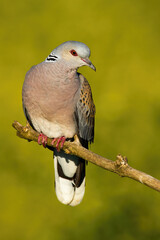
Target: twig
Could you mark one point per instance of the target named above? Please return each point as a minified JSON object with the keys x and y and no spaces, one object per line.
{"x":120,"y":166}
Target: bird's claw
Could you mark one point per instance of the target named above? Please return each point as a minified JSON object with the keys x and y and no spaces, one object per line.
{"x":60,"y":142}
{"x":42,"y":139}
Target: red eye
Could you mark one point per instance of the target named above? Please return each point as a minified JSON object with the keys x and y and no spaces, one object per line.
{"x":73,"y":52}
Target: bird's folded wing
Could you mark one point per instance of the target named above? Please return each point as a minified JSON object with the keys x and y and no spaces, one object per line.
{"x":85,"y":111}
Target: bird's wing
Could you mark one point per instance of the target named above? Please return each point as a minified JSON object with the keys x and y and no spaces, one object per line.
{"x":85,"y":111}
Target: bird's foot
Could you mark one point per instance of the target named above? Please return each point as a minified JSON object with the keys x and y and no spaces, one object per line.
{"x":60,"y":142}
{"x":42,"y":139}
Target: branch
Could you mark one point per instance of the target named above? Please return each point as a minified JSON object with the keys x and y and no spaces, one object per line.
{"x":120,"y":166}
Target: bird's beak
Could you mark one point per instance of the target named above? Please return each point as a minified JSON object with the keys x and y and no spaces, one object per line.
{"x":89,"y":63}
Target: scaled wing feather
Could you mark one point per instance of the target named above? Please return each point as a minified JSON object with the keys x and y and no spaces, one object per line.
{"x":85,"y":111}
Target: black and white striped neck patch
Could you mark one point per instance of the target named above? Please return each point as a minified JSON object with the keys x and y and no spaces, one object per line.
{"x":51,"y":58}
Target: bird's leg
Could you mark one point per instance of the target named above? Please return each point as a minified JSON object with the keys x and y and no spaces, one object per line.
{"x":42,"y":139}
{"x":60,"y":142}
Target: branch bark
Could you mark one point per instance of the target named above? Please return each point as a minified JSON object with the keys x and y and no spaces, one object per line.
{"x":120,"y":166}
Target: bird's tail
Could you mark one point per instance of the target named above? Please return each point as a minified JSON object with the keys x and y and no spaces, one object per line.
{"x":69,"y":178}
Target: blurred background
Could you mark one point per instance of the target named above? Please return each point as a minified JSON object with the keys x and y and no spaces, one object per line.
{"x":124,"y":38}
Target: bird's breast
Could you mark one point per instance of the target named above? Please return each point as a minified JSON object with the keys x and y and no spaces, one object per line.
{"x":50,"y":100}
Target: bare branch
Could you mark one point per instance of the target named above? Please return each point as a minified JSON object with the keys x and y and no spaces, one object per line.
{"x":120,"y":166}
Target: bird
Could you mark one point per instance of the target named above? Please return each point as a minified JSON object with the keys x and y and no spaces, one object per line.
{"x":57,"y":102}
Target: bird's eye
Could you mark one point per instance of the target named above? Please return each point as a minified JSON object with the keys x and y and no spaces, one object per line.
{"x":73,"y":52}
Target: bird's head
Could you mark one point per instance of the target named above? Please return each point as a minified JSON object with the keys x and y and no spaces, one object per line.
{"x":75,"y":54}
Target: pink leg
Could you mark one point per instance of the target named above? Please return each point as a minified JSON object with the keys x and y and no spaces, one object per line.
{"x":54,"y":140}
{"x":42,"y":139}
{"x":63,"y":141}
{"x":60,"y":142}
{"x":39,"y":138}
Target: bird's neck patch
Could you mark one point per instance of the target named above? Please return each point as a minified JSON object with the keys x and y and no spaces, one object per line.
{"x":51,"y":58}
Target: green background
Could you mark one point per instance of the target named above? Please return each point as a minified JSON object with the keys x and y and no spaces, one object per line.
{"x":124,"y":38}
